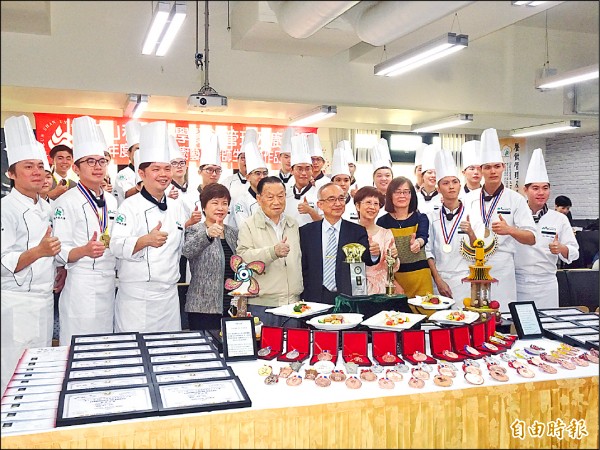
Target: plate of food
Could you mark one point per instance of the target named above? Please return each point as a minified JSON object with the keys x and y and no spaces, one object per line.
{"x":336,"y":321}
{"x":454,"y":316}
{"x":393,"y":320}
{"x":431,"y":301}
{"x":299,"y":309}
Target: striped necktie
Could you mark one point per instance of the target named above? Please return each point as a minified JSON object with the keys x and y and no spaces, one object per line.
{"x":329,"y":260}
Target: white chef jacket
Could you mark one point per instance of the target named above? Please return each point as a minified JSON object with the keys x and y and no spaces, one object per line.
{"x":125,"y":181}
{"x":516,"y":212}
{"x":190,"y":199}
{"x":426,"y":206}
{"x":350,"y":212}
{"x":243,"y":208}
{"x":535,"y":265}
{"x":27,"y":302}
{"x":451,"y":266}
{"x":291,"y":204}
{"x":322,"y":181}
{"x":147,"y":298}
{"x":87,"y":301}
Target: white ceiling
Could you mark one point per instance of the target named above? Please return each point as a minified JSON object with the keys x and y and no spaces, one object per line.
{"x":84,"y":57}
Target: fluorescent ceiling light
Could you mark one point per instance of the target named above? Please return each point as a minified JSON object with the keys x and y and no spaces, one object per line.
{"x":546,"y":128}
{"x":444,"y":45}
{"x":320,"y":113}
{"x":570,"y":77}
{"x":136,"y":105}
{"x":521,"y":3}
{"x":165,"y":24}
{"x":446,"y":122}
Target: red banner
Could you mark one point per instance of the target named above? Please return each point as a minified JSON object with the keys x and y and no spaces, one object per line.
{"x":55,"y":129}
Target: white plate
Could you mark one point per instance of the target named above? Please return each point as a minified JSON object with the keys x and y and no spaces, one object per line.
{"x":441,"y":317}
{"x":288,"y":310}
{"x":378,"y":321}
{"x":350,"y":321}
{"x":446,"y":302}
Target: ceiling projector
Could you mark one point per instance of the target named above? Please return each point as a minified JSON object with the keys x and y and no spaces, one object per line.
{"x":211,"y":102}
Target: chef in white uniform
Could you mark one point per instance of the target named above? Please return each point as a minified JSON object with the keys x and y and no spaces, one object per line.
{"x":503,"y":212}
{"x":246,"y":204}
{"x":340,"y":175}
{"x":315,"y":150}
{"x":428,"y":197}
{"x":382,"y":169}
{"x":447,"y":226}
{"x":147,"y":238}
{"x":83,"y":220}
{"x":28,"y":250}
{"x":418,"y":169}
{"x":179,"y":189}
{"x":237,"y":183}
{"x":285,"y":158}
{"x":536,"y":264}
{"x":126,"y":182}
{"x":347,"y":147}
{"x":301,"y":197}
{"x":471,"y":160}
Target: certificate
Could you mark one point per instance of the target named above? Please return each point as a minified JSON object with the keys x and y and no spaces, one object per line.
{"x":105,"y":362}
{"x":560,"y":312}
{"x":36,"y":381}
{"x":28,"y":415}
{"x":19,"y":426}
{"x":215,"y":363}
{"x":97,"y":373}
{"x":106,"y":402}
{"x":166,"y":342}
{"x":27,"y":406}
{"x":46,"y":353}
{"x":196,"y":375}
{"x":184,"y":349}
{"x":175,"y":396}
{"x":239,"y":339}
{"x":104,"y":338}
{"x":184,"y":357}
{"x":526,"y":320}
{"x":557,"y":325}
{"x":40,"y":389}
{"x":103,"y":383}
{"x":106,"y":346}
{"x":106,"y":354}
{"x":28,"y":398}
{"x":46,"y":369}
{"x":187,"y":334}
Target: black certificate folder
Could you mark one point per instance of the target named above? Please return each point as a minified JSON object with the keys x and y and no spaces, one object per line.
{"x":199,"y":396}
{"x":105,"y":405}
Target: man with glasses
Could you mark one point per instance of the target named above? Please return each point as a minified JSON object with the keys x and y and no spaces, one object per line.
{"x":317,"y":160}
{"x":210,"y":163}
{"x":324,"y":271}
{"x":126,"y":182}
{"x":83,"y":219}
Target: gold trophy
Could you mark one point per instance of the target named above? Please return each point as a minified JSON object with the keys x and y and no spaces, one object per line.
{"x":390,"y":289}
{"x":358,"y":275}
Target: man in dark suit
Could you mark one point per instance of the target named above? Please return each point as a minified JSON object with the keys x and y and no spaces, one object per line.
{"x":324,"y":271}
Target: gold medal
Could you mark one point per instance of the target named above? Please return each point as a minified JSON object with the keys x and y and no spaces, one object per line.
{"x":105,"y":239}
{"x":447,"y":248}
{"x":487,"y":232}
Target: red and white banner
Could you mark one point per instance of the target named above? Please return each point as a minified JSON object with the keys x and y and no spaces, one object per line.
{"x":55,"y":129}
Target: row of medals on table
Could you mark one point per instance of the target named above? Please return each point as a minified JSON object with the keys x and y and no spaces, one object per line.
{"x":323,"y":373}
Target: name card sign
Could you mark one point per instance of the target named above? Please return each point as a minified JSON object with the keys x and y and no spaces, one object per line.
{"x":526,"y":319}
{"x":239,"y":338}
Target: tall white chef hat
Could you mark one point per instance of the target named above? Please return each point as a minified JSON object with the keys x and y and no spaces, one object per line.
{"x":314,"y":145}
{"x":490,"y":147}
{"x":428,"y":161}
{"x":44,"y":157}
{"x":251,"y":135}
{"x":20,"y":140}
{"x":132,"y":133}
{"x":286,"y":140}
{"x":174,"y":150}
{"x":380,"y":155}
{"x":154,"y":143}
{"x":536,"y":171}
{"x":300,"y":153}
{"x":88,"y":139}
{"x":347,"y":147}
{"x":136,"y":164}
{"x":211,"y":152}
{"x":419,"y":153}
{"x":339,"y":164}
{"x":444,"y":165}
{"x":471,"y":154}
{"x":254,"y":158}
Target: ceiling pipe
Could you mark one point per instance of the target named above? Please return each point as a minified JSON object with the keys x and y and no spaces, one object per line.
{"x":387,"y":21}
{"x":302,"y":19}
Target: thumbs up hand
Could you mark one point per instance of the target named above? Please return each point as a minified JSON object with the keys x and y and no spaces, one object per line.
{"x":415,"y":244}
{"x":304,"y":207}
{"x":194,"y":218}
{"x":49,"y":245}
{"x":501,"y":227}
{"x":282,"y":248}
{"x":173,"y":193}
{"x":157,"y":238}
{"x":555,"y":246}
{"x":216,"y":229}
{"x":374,"y":247}
{"x":94,"y":248}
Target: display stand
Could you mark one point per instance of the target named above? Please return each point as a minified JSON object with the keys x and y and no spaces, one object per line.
{"x":414,"y":341}
{"x":298,"y":339}
{"x":440,"y":341}
{"x":385,"y":347}
{"x":271,"y":337}
{"x":325,"y":341}
{"x":355,"y":347}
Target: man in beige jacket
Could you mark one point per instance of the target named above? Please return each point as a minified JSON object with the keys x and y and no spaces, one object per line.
{"x":270,"y":236}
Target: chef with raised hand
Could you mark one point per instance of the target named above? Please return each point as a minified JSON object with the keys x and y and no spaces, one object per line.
{"x":28,"y":250}
{"x":147,"y":239}
{"x":536,"y":264}
{"x":125,"y":184}
{"x":83,"y":220}
{"x":497,"y":212}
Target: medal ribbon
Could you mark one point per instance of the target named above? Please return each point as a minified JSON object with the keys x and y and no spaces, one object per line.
{"x":102,"y":219}
{"x":448,"y":236}
{"x":486,"y":216}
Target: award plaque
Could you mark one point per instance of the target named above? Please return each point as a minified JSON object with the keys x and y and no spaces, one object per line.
{"x":358,"y":273}
{"x":239,"y":338}
{"x":526,"y":319}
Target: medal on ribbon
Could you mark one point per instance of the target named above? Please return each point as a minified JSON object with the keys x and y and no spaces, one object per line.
{"x":487,"y":215}
{"x":101,"y":215}
{"x":447,"y":247}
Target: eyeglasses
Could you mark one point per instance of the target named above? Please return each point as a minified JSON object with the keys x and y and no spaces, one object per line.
{"x":92,"y":162}
{"x":303,"y":169}
{"x":333,"y":200}
{"x":215,"y":171}
{"x":401,"y":192}
{"x":262,"y":173}
{"x":178,"y":163}
{"x":374,"y":204}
